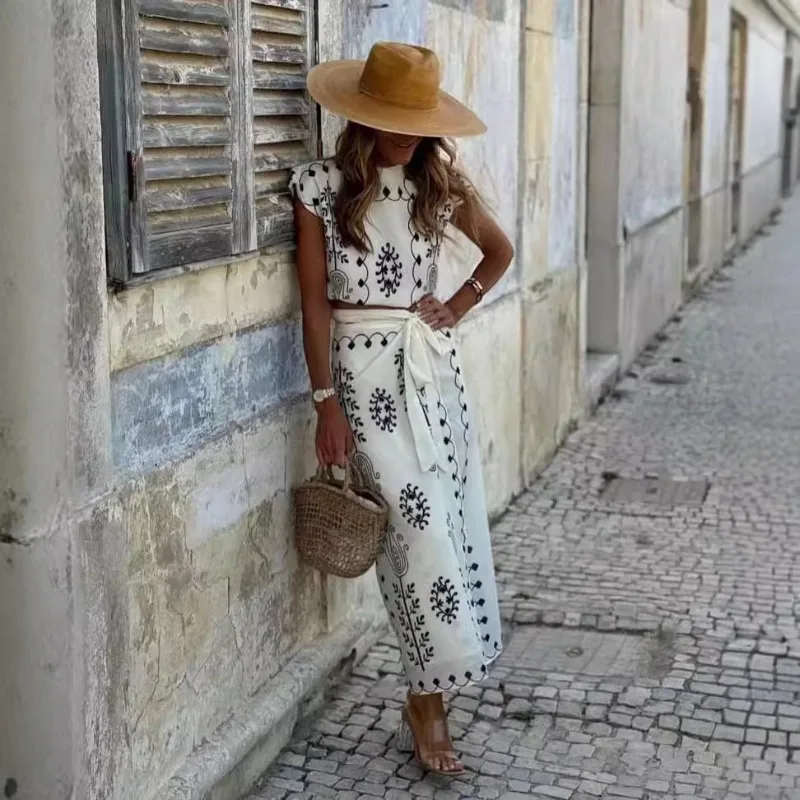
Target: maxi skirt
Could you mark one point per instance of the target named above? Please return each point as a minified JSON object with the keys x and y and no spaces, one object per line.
{"x":401,"y":386}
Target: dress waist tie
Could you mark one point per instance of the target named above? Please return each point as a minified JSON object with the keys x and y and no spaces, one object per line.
{"x":420,"y":342}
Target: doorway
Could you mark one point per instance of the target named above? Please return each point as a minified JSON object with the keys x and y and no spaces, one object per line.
{"x":787,"y":118}
{"x":736,"y":93}
{"x":693,"y":134}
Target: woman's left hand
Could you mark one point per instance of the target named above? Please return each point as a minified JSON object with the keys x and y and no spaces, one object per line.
{"x":435,"y":313}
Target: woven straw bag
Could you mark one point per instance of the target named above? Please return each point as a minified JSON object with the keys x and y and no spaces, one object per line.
{"x":340,"y":527}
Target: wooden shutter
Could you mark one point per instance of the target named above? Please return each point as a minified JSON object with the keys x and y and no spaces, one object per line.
{"x":284,"y":126}
{"x":185,"y":132}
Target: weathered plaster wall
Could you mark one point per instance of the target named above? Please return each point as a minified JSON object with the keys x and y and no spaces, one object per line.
{"x":652,"y":172}
{"x":604,"y":179}
{"x":763,"y":109}
{"x":652,"y":277}
{"x":565,"y":140}
{"x":151,"y":437}
{"x":478,"y":44}
{"x":653,"y":110}
{"x":763,"y":84}
{"x":210,"y":430}
{"x":54,"y":397}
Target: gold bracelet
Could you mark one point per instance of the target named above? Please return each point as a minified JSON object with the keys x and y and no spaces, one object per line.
{"x":477,"y":287}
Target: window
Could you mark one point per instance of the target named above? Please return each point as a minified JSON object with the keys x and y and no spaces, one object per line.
{"x":204,"y":111}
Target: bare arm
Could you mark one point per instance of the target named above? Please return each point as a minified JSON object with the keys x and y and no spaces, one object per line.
{"x":498,"y":253}
{"x":313,"y":279}
{"x":334,"y":438}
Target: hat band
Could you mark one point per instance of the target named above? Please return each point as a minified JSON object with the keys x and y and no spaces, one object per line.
{"x":406,"y":100}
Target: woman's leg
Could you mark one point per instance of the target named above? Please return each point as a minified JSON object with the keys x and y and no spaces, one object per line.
{"x":434,"y":748}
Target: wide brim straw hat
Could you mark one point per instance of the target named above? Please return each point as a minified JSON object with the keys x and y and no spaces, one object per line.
{"x":397,"y":89}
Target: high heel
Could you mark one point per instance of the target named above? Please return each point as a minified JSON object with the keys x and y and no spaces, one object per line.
{"x":404,"y":737}
{"x":405,"y":740}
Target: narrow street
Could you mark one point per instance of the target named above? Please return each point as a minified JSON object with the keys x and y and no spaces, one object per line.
{"x":653,"y":648}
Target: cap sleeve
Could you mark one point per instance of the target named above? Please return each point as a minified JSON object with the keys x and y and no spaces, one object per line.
{"x":304,"y":186}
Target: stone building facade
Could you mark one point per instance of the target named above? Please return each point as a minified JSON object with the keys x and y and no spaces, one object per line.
{"x":161,"y":638}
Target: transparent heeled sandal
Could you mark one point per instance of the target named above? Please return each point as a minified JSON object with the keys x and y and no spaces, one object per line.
{"x":406,"y":742}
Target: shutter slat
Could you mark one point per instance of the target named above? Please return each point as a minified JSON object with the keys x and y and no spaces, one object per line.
{"x":283,"y":104}
{"x":184,"y":70}
{"x":174,"y":196}
{"x":275,"y":221}
{"x":294,"y":5}
{"x":182,"y":220}
{"x":282,"y":118}
{"x":186,"y":131}
{"x":183,"y":11}
{"x":279,"y":53}
{"x":156,"y":101}
{"x":277,"y":21}
{"x":280,"y":156}
{"x":180,"y":166}
{"x":178,"y":248}
{"x":284,"y":77}
{"x":279,"y":129}
{"x":202,"y":40}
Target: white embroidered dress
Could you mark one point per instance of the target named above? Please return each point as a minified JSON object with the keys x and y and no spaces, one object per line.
{"x":402,"y":388}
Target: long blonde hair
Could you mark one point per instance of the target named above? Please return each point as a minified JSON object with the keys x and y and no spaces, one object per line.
{"x":433,"y":171}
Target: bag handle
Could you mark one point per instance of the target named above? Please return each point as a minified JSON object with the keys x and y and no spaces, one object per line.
{"x":325,"y":475}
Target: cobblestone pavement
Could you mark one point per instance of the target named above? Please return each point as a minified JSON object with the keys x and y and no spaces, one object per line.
{"x":653,"y":650}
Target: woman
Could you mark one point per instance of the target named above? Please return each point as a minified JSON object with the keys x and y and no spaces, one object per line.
{"x":388,"y":388}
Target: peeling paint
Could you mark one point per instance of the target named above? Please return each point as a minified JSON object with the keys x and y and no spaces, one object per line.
{"x":163,"y":408}
{"x":490,"y":10}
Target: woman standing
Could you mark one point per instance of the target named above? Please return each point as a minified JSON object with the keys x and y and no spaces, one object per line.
{"x":388,"y":386}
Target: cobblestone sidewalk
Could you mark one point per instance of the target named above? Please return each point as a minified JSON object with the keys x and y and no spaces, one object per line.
{"x":653,"y":649}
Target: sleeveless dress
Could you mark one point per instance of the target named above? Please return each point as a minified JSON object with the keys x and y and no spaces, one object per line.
{"x":402,"y":388}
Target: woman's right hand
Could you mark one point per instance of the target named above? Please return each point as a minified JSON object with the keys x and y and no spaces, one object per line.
{"x":335,"y":441}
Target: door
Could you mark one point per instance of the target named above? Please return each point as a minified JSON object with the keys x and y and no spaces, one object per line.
{"x":693,"y":133}
{"x":736,"y":93}
{"x":787,"y":121}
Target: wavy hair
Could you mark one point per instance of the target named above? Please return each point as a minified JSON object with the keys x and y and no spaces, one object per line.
{"x":433,"y":171}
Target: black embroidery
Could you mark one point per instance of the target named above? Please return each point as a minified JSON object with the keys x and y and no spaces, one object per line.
{"x":444,"y":600}
{"x":396,"y":551}
{"x":426,"y":250}
{"x":383,"y":410}
{"x":343,"y":383}
{"x":369,"y":476}
{"x":363,"y":340}
{"x":414,"y":507}
{"x":388,"y":269}
{"x":417,"y":640}
{"x":400,"y":363}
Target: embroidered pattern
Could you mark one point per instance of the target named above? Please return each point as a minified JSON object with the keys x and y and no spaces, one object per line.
{"x":444,"y":600}
{"x":441,"y":604}
{"x":388,"y":269}
{"x":383,"y":410}
{"x":416,"y":637}
{"x":343,"y":383}
{"x":400,"y":264}
{"x":415,"y":507}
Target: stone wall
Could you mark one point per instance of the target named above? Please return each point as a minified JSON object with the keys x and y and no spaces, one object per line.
{"x":635,"y":173}
{"x":150,"y":438}
{"x":54,"y":392}
{"x":164,"y":631}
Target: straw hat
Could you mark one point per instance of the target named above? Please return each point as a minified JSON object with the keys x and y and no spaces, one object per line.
{"x":396,"y":90}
